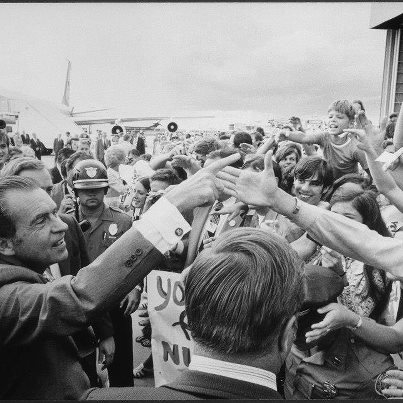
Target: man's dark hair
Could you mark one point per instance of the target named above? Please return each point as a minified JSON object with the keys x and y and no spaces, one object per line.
{"x":241,"y":292}
{"x":242,"y":137}
{"x":63,"y":154}
{"x":8,"y":184}
{"x":307,"y":167}
{"x":15,"y":166}
{"x":135,"y":152}
{"x":393,"y":115}
{"x":165,"y":175}
{"x":76,"y":157}
{"x":206,"y":146}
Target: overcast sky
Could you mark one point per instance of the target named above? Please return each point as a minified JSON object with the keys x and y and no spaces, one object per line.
{"x":280,"y":58}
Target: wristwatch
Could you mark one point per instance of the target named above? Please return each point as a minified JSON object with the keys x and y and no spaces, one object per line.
{"x":297,"y":205}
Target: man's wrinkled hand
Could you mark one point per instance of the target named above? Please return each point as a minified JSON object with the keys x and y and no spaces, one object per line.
{"x":132,"y":301}
{"x":202,"y":188}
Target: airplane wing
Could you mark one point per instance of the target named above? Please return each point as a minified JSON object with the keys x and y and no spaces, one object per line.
{"x":83,"y":122}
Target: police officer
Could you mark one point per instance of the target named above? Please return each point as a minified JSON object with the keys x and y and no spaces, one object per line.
{"x":103,"y":226}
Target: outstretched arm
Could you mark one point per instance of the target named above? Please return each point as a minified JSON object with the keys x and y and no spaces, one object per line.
{"x":385,"y":339}
{"x":301,"y":137}
{"x":333,"y":230}
{"x":384,"y":181}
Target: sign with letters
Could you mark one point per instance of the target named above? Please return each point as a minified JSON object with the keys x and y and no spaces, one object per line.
{"x":171,"y":343}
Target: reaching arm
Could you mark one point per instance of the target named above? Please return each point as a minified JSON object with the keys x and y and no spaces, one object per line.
{"x":301,"y":137}
{"x":384,"y":181}
{"x":342,"y":234}
{"x":385,"y":339}
{"x":30,"y":310}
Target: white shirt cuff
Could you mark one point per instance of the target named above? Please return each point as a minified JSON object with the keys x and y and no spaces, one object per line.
{"x":162,"y":225}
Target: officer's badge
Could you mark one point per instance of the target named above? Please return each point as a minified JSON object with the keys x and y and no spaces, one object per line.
{"x":91,"y":171}
{"x":113,"y":229}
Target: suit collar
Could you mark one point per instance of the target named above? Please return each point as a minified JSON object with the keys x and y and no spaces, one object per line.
{"x":214,"y":386}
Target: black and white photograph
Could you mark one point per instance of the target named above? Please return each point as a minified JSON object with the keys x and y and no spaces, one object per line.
{"x":201,"y":201}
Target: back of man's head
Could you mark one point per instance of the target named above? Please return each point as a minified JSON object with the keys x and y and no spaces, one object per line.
{"x":241,"y":293}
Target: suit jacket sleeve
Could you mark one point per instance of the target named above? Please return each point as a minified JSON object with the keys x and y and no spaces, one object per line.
{"x":29,"y":311}
{"x":101,"y":324}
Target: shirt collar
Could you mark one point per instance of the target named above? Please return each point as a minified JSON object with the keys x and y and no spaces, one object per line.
{"x":241,"y":372}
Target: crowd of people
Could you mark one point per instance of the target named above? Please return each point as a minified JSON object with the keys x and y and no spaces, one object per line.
{"x":289,"y":244}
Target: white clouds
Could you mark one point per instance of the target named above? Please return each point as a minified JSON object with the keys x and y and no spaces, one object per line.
{"x":283,"y":58}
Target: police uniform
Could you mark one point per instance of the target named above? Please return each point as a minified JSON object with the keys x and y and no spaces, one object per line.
{"x":109,"y":227}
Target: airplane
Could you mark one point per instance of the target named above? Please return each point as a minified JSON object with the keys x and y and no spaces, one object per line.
{"x":23,"y":113}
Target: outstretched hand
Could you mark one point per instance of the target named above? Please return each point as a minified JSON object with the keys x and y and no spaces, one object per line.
{"x":203,"y":187}
{"x":255,"y":188}
{"x":369,"y":138}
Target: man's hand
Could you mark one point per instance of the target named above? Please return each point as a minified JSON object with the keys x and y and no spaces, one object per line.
{"x":254,"y":188}
{"x":67,"y":205}
{"x":247,"y":148}
{"x":106,"y":352}
{"x":201,"y":188}
{"x":208,"y":243}
{"x":186,"y":162}
{"x":132,"y":301}
{"x":234,"y":210}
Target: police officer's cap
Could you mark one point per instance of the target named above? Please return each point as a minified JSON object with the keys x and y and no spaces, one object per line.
{"x":90,"y":174}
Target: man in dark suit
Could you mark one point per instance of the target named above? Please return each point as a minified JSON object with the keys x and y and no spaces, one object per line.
{"x":100,"y":147}
{"x":138,"y":143}
{"x":36,"y":145}
{"x":38,"y":318}
{"x":241,"y":297}
{"x":25,"y":138}
{"x":58,"y":144}
{"x":77,"y":258}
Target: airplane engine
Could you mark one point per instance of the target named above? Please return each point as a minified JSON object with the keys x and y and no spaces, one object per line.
{"x":172,"y":127}
{"x":117,"y":129}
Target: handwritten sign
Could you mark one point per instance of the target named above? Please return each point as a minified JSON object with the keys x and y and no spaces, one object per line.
{"x":171,"y":343}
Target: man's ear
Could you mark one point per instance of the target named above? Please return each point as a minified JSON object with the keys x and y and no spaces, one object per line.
{"x":287,"y":335}
{"x":7,"y":247}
